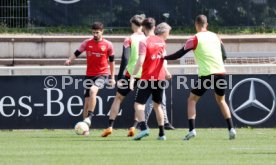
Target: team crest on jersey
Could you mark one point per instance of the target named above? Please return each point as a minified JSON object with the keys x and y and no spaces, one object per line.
{"x":103,"y":48}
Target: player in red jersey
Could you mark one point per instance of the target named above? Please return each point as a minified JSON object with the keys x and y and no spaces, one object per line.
{"x":99,"y":54}
{"x":153,"y":77}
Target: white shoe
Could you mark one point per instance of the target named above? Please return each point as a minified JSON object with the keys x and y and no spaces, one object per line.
{"x":190,"y":135}
{"x":87,"y":121}
{"x":232,"y":134}
{"x":162,"y":137}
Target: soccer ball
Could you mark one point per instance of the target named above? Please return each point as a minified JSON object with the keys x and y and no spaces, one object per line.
{"x":81,"y":128}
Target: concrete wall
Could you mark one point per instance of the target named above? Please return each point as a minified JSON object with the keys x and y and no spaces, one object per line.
{"x":41,"y":47}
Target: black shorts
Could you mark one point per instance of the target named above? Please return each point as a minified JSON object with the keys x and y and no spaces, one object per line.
{"x":210,"y":82}
{"x":98,"y":81}
{"x":124,"y":90}
{"x":145,"y":88}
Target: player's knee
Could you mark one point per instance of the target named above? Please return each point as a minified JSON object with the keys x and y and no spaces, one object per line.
{"x":93,"y":91}
{"x":220,"y":99}
{"x":193,"y":98}
{"x":156,"y":105}
{"x":138,"y":106}
{"x":119,"y":97}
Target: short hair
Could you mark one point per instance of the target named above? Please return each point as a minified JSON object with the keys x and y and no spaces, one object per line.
{"x":148,"y":23}
{"x":201,"y":20}
{"x":97,"y":26}
{"x":137,"y":19}
{"x":162,"y":28}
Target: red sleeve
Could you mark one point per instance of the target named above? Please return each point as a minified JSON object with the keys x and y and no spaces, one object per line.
{"x":191,"y":43}
{"x":82,"y":47}
{"x":110,"y":51}
{"x":127,"y":42}
{"x":142,"y":47}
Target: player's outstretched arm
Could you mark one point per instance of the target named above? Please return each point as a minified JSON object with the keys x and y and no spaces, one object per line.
{"x":72,"y":57}
{"x":180,"y":53}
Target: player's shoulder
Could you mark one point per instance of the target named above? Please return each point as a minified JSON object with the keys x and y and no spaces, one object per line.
{"x":144,"y":40}
{"x":87,"y":40}
{"x":106,"y":41}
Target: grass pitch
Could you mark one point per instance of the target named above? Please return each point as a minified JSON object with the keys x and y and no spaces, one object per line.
{"x":64,"y":147}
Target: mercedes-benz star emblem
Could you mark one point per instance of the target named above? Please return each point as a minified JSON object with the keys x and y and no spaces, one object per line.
{"x":252,"y":101}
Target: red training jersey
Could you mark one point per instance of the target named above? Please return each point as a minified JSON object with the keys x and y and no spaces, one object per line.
{"x":97,"y":53}
{"x":153,"y":68}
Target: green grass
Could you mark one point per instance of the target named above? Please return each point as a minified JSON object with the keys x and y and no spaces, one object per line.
{"x":211,"y":146}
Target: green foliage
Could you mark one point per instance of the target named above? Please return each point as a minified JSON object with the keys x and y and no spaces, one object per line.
{"x":60,"y":30}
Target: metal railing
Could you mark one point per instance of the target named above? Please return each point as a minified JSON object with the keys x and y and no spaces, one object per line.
{"x":174,"y":69}
{"x":14,"y":13}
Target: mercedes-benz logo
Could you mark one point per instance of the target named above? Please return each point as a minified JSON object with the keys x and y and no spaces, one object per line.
{"x":67,"y":1}
{"x":252,"y":101}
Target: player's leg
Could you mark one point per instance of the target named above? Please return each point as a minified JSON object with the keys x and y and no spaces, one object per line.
{"x":157,"y":96}
{"x":192,"y":101}
{"x":92,"y":101}
{"x":85,"y":107}
{"x":97,"y":83}
{"x":224,"y":108}
{"x":148,"y":108}
{"x":113,"y":113}
{"x":142,"y":94}
{"x":167,"y":124}
{"x":131,"y":131}
{"x":195,"y":94}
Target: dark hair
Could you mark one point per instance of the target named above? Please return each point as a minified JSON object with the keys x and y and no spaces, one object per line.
{"x":148,"y":23}
{"x":137,"y":19}
{"x":97,"y":26}
{"x":201,"y":20}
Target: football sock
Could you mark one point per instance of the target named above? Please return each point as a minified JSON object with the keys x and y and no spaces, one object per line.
{"x":161,"y":131}
{"x":143,"y":125}
{"x":191,"y":124}
{"x":90,"y":115}
{"x":110,"y":123}
{"x":229,"y":123}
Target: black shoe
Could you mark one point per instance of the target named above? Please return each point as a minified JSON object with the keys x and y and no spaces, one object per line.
{"x":168,"y":126}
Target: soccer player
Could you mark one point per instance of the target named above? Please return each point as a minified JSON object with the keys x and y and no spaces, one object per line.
{"x":209,"y":55}
{"x":129,"y":58}
{"x":152,"y":81}
{"x":99,"y":54}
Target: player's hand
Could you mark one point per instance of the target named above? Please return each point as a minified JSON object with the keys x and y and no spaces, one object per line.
{"x":131,"y":83}
{"x":68,"y":62}
{"x":111,"y":82}
{"x":161,"y":53}
{"x":168,"y":75}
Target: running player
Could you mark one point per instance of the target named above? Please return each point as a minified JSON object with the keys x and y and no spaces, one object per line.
{"x":209,"y":55}
{"x":129,"y":58}
{"x":99,"y":54}
{"x":153,"y":75}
